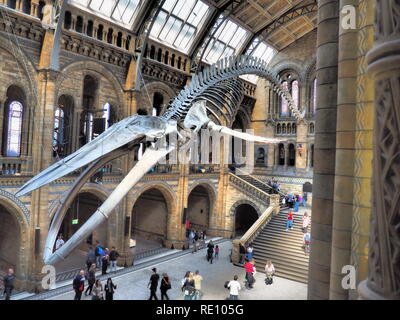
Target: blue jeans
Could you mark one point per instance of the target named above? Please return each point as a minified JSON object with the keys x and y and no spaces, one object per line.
{"x":289,"y":224}
{"x":296,"y":206}
{"x":99,"y":262}
{"x":113,"y":265}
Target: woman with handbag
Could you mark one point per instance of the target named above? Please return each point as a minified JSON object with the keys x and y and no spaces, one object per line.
{"x":97,"y":293}
{"x":189,"y":288}
{"x":165,"y":286}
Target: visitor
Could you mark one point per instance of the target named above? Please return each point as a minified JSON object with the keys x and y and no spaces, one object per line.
{"x":113,"y":259}
{"x":210,"y":251}
{"x":204,"y":235}
{"x":297,"y":200}
{"x":307,"y":243}
{"x":110,"y":289}
{"x":184,"y":279}
{"x":269,"y":272}
{"x":234,"y":287}
{"x":105,"y":258}
{"x":306,"y":222}
{"x":91,"y":276}
{"x":305,"y":198}
{"x":8,"y":281}
{"x":97,"y":293}
{"x":153,"y":284}
{"x":189,"y":289}
{"x":289,"y":222}
{"x":90,"y":257}
{"x":60,"y":242}
{"x":242,"y":253}
{"x":197,"y":284}
{"x":79,"y":285}
{"x":216,"y":251}
{"x":250,"y":272}
{"x":98,"y":253}
{"x":250,"y":252}
{"x":165,"y":286}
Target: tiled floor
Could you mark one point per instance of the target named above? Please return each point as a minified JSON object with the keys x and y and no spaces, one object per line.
{"x":133,"y":286}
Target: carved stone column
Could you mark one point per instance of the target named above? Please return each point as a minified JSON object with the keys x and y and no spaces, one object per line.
{"x":325,"y":149}
{"x":383,"y":280}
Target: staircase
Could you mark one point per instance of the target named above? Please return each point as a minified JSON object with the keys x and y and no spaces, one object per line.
{"x":283,"y":248}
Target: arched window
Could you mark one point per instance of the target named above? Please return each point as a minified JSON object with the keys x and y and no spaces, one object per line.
{"x":128,"y":42}
{"x":166,"y":58}
{"x":173,"y":60}
{"x":312,"y":156}
{"x":12,"y":4}
{"x":119,"y":39}
{"x":67,"y":20}
{"x":89,"y":99}
{"x":13,"y":129}
{"x":58,"y":135}
{"x":284,"y":128}
{"x":281,"y":151}
{"x":292,"y":155}
{"x":89,"y":30}
{"x":159,"y":55}
{"x":295,"y":93}
{"x":40,"y":9}
{"x":79,"y":24}
{"x":158,"y":100}
{"x":110,"y":35}
{"x":289,"y":129}
{"x":314,"y":94}
{"x":278,"y":129}
{"x":294,"y":128}
{"x":100,"y":31}
{"x":284,"y":103}
{"x":311,"y":129}
{"x":26,"y":6}
{"x":152,"y":52}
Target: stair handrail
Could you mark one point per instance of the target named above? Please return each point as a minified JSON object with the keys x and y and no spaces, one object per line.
{"x":262,"y":182}
{"x":254,"y":231}
{"x":266,"y":194}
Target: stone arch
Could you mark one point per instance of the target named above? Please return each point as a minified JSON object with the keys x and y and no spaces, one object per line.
{"x":145,"y":228}
{"x":19,"y":212}
{"x":244,"y":201}
{"x":289,"y":66}
{"x":147,"y":90}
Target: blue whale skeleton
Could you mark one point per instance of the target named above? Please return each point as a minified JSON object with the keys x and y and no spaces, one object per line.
{"x":186,"y":113}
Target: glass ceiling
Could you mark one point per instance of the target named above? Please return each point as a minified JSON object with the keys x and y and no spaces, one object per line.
{"x":119,"y":11}
{"x":227,"y":41}
{"x":178,"y":23}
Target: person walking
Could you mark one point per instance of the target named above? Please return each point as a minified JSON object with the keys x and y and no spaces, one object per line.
{"x":113,"y":259}
{"x":307,"y":243}
{"x":90,"y":258}
{"x":234,"y":288}
{"x":105,"y":258}
{"x":60,"y":242}
{"x":210,"y":251}
{"x":109,"y":289}
{"x":216,"y":252}
{"x":97,"y":293}
{"x":165,"y":286}
{"x":306,"y":222}
{"x":250,"y":252}
{"x":91,"y":276}
{"x":153,"y":284}
{"x":189,"y":288}
{"x":79,"y":284}
{"x":250,"y":271}
{"x":269,"y":272}
{"x":296,"y":202}
{"x":305,"y":199}
{"x":289,"y":222}
{"x":98,"y":253}
{"x":197,"y":285}
{"x":8,"y":281}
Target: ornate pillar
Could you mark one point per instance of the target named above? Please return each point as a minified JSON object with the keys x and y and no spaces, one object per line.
{"x":363,"y":146}
{"x":344,"y":167}
{"x":383,"y":280}
{"x":325,"y":149}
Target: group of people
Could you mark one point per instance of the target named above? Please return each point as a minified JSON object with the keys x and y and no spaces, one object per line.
{"x":95,"y":287}
{"x":306,"y":221}
{"x":165,"y":285}
{"x":294,"y":200}
{"x":212,"y":251}
{"x":273,"y":183}
{"x":196,"y":238}
{"x":102,"y":258}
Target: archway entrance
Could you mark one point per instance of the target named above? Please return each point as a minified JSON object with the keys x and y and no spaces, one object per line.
{"x":10,"y":242}
{"x":149,"y":220}
{"x":81,"y":209}
{"x":245,"y":216}
{"x":199,"y":208}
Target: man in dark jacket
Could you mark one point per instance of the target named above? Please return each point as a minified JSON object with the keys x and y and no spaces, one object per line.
{"x":90,"y":257}
{"x":9,"y":283}
{"x":153,"y":283}
{"x":79,"y":284}
{"x":113,"y":259}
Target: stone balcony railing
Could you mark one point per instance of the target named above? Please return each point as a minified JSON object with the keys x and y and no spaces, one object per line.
{"x":250,"y":190}
{"x":254,"y":230}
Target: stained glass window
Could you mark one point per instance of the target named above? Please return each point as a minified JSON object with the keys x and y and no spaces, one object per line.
{"x":178,"y":22}
{"x":14,"y":132}
{"x":284,"y":103}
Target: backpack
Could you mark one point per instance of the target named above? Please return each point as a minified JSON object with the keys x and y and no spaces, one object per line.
{"x":268,"y":280}
{"x":226,"y":284}
{"x":100,"y":251}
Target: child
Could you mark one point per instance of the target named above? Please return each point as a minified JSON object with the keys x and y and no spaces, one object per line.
{"x":307,"y":242}
{"x":289,"y":223}
{"x":216,"y":251}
